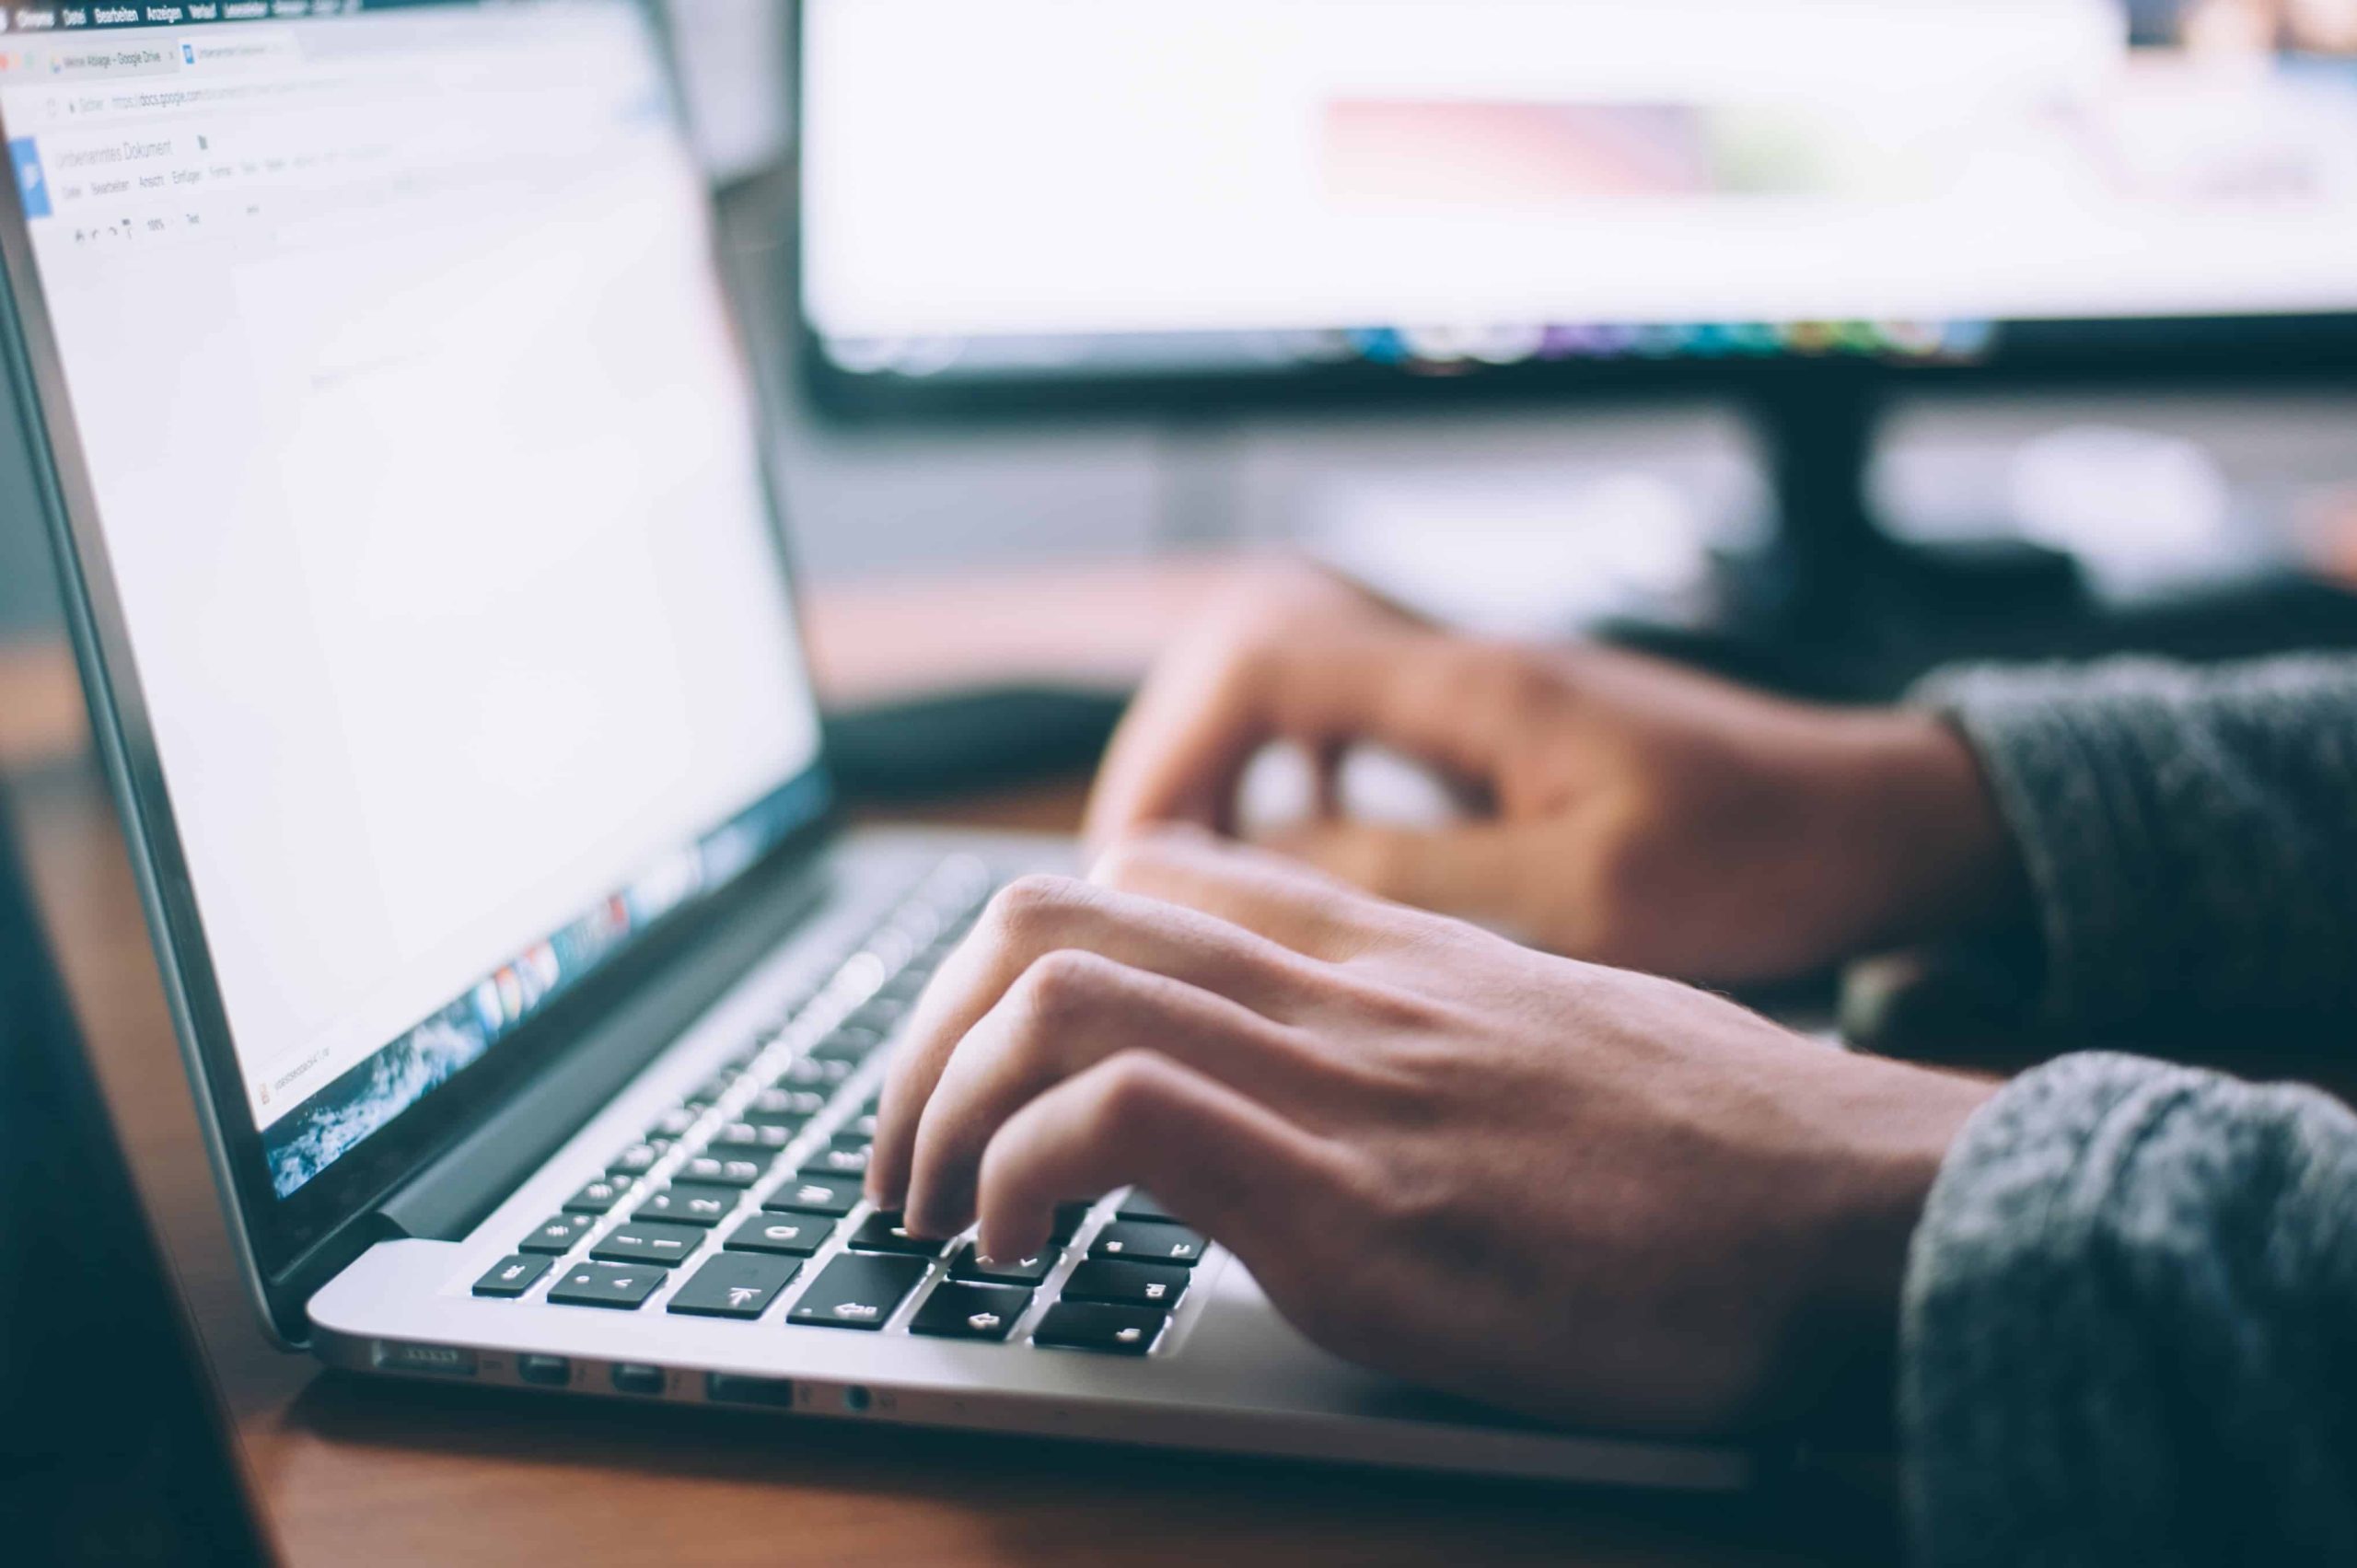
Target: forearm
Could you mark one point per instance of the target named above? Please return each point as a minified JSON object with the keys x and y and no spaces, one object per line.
{"x":2188,"y":836}
{"x":2127,"y":1333}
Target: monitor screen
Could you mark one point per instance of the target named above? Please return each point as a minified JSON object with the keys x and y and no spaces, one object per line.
{"x":1050,"y":188}
{"x":424,"y":462}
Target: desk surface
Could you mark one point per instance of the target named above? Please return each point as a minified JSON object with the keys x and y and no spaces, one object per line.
{"x":353,"y":1469}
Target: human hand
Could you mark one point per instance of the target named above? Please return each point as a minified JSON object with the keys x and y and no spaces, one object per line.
{"x":1589,"y":1195}
{"x":1635,"y":813}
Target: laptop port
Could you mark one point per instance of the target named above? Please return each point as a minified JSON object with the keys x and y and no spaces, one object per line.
{"x":545,"y":1371}
{"x":441,"y":1361}
{"x":729,"y":1388}
{"x":629,"y":1377}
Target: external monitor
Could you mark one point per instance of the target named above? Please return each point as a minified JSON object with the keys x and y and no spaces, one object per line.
{"x":1177,"y":201}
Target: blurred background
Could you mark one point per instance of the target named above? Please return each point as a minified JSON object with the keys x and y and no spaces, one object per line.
{"x":1548,"y":314}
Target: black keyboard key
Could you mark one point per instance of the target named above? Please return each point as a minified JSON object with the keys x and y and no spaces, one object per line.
{"x":673,"y":1124}
{"x":749,"y":1139}
{"x":1142,"y":1205}
{"x":511,"y":1277}
{"x":973,"y":1267}
{"x":959,"y":1311}
{"x":1128,"y":1284}
{"x":858,"y":1290}
{"x":594,"y":1198}
{"x":781,"y":1104}
{"x":557,"y":1234}
{"x":1069,"y":1218}
{"x":850,"y":1162}
{"x":637,"y":1241}
{"x":861,"y":1126}
{"x":1116,"y":1330}
{"x":788,"y":1236}
{"x":831,"y":1195}
{"x":1136,"y":1242}
{"x":685,"y":1203}
{"x":635,"y":1161}
{"x":735,"y":1285}
{"x":722,"y":1172}
{"x":882,"y":1232}
{"x":619,"y":1285}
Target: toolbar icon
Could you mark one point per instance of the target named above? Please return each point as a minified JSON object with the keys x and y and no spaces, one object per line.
{"x":32,"y":183}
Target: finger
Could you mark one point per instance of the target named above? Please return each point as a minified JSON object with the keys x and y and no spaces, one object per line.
{"x":1472,"y":871}
{"x":1178,"y":754}
{"x":1070,"y":1011}
{"x":1038,"y":915}
{"x":1233,"y":1167}
{"x":1278,"y":896}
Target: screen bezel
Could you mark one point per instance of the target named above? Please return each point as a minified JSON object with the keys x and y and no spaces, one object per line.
{"x":283,"y":1241}
{"x":2057,"y":354}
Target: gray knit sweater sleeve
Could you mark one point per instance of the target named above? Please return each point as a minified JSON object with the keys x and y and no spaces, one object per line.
{"x":2130,"y":1329}
{"x":2129,"y":1333}
{"x":2188,"y":835}
{"x":2191,"y":836}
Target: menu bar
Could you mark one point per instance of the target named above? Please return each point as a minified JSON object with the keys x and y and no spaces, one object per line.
{"x":38,"y":19}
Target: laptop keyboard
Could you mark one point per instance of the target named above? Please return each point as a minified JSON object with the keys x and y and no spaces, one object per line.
{"x":743,"y":1202}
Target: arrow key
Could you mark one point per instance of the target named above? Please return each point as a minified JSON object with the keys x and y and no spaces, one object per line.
{"x":1139,"y":1242}
{"x":959,"y":1311}
{"x":736,"y":1284}
{"x":1115,"y":1331}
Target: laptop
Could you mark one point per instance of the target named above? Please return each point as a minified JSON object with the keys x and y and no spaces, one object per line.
{"x":128,"y":1458}
{"x":407,"y":478}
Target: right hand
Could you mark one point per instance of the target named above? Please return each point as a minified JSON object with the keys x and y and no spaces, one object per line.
{"x":1596,"y":1197}
{"x":1637,"y":814}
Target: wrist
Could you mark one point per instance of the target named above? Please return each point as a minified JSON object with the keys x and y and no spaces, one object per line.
{"x":1842,"y":1351}
{"x":1939,"y":859}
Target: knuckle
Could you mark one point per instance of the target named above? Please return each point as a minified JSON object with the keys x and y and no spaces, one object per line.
{"x":1130,"y":1087}
{"x":1030,"y":902}
{"x":1060,"y":986}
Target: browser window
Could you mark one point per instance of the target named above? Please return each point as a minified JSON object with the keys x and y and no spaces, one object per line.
{"x":427,"y":469}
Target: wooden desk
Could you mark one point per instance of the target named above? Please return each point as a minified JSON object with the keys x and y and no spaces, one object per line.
{"x":357,"y":1471}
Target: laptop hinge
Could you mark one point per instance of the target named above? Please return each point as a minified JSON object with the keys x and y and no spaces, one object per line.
{"x":455,"y":1191}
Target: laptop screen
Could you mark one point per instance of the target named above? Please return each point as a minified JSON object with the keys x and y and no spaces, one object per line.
{"x":427,"y":469}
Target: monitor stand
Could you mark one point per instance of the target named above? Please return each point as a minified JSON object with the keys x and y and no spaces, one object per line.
{"x":1835,"y":606}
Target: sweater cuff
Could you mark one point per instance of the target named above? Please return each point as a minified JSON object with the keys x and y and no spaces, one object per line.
{"x":2066,"y":795}
{"x":2120,"y":1332}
